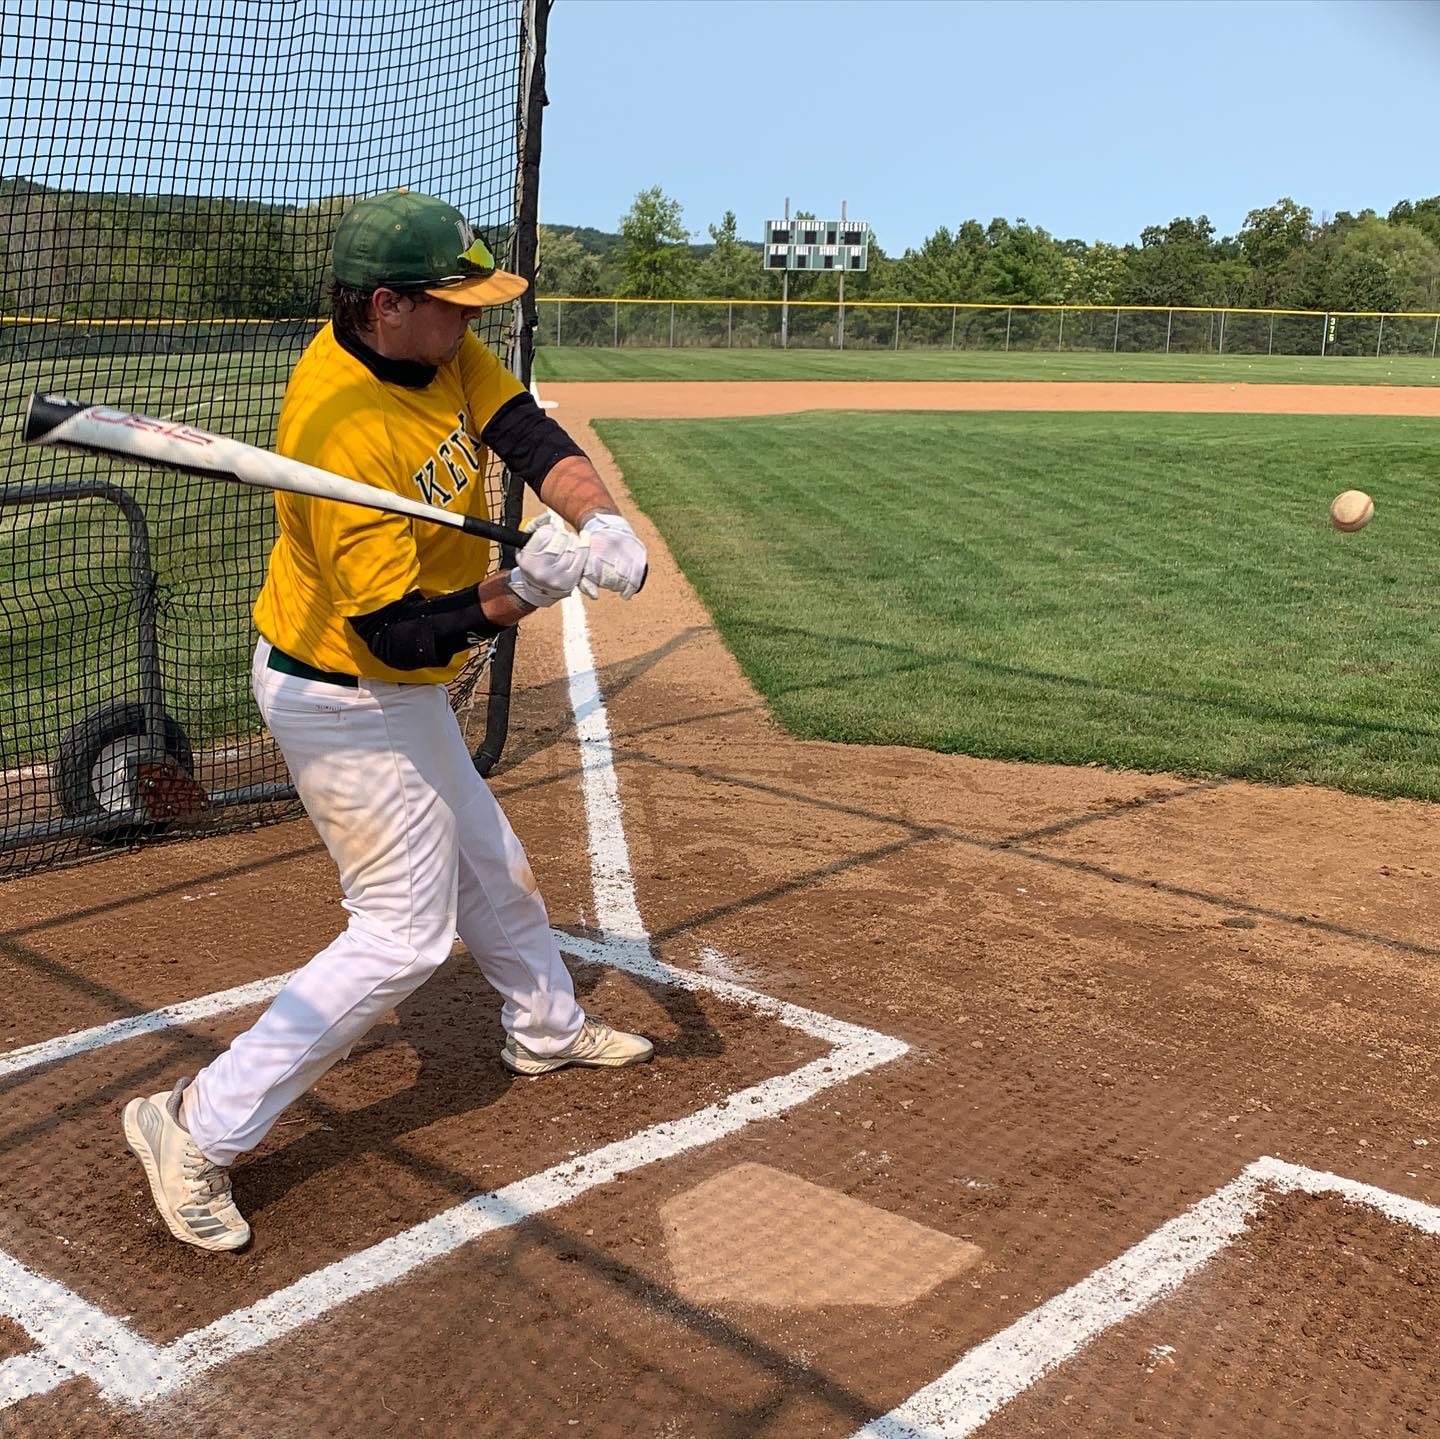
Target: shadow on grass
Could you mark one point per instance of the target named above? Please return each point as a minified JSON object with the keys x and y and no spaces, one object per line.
{"x":907,"y":659}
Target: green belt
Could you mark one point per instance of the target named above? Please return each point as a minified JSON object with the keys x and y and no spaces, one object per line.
{"x":289,"y":665}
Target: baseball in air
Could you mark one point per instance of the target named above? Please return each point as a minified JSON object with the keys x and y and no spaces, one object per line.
{"x":1352,"y":510}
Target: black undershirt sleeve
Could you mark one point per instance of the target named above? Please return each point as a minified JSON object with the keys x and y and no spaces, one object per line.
{"x":415,"y":633}
{"x":528,"y":440}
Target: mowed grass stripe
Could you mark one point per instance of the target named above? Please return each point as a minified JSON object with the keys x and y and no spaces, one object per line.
{"x":575,"y":363}
{"x":1158,"y":592}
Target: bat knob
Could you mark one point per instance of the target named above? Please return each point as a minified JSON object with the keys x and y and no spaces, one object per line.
{"x":45,"y":412}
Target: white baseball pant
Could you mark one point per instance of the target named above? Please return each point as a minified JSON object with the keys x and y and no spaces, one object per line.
{"x":424,"y":852}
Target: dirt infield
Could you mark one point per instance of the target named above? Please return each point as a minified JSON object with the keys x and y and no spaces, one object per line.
{"x":1086,"y":1002}
{"x":687,"y":399}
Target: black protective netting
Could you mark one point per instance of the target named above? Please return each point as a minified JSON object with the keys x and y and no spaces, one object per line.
{"x":170,"y":180}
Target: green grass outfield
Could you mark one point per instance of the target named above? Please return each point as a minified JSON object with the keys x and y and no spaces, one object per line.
{"x":1155,"y":592}
{"x":67,"y":622}
{"x":233,"y":392}
{"x":577,"y":363}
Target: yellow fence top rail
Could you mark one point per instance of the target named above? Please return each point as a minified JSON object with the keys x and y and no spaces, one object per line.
{"x":171,"y":322}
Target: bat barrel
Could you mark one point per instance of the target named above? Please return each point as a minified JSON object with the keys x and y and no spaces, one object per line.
{"x":44,"y":413}
{"x":171,"y":445}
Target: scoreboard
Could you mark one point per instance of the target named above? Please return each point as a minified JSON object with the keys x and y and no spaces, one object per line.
{"x":816,"y":245}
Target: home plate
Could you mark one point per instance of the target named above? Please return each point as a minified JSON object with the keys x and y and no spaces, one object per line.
{"x":761,"y":1236}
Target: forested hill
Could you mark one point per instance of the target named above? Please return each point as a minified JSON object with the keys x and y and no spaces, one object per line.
{"x":606,"y":244}
{"x":107,"y":255}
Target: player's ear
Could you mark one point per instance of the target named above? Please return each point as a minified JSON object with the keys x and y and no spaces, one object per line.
{"x":388,"y":306}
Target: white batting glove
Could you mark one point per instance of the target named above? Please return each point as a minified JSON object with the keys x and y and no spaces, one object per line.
{"x":550,"y":566}
{"x":617,"y":557}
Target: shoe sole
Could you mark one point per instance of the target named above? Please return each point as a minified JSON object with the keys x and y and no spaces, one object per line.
{"x":140,"y":1148}
{"x":534,"y":1071}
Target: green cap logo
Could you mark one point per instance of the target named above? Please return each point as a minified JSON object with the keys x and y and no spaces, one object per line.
{"x":476,"y":256}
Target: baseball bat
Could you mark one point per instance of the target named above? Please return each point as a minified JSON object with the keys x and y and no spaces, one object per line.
{"x":55,"y":420}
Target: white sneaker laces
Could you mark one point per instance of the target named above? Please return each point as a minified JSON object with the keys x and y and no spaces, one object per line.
{"x":206,"y":1180}
{"x":594,"y":1034}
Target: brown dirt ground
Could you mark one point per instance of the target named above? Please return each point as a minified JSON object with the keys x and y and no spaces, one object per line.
{"x":1118,"y":988}
{"x":13,"y":1340}
{"x":680,"y":399}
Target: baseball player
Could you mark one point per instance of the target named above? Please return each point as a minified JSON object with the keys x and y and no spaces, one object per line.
{"x":363,"y":617}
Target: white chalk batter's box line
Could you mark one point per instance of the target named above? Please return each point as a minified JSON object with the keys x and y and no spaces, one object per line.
{"x":967,"y":1396}
{"x":76,"y":1338}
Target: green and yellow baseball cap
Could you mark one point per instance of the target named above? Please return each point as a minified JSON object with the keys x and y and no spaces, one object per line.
{"x":415,"y":243}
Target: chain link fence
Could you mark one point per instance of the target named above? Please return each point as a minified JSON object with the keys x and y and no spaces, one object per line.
{"x":882,"y":325}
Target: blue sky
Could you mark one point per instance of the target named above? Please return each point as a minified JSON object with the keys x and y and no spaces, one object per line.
{"x":1091,"y":119}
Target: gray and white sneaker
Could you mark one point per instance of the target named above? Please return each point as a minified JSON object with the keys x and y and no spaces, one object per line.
{"x":597,"y":1046}
{"x":191,"y":1192}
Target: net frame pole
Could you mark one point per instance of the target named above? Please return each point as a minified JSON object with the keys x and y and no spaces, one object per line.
{"x":534,"y":26}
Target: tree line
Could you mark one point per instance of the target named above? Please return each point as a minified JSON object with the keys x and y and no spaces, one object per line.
{"x":101,"y":255}
{"x":1283,"y":257}
{"x":110,"y":255}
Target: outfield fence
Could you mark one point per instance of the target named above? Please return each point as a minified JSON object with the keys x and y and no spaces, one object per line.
{"x":612,"y":322}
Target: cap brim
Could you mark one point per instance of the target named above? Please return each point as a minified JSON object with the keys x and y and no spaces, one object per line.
{"x":497,"y":289}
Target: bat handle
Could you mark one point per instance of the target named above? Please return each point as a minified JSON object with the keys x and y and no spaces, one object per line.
{"x":489,"y":530}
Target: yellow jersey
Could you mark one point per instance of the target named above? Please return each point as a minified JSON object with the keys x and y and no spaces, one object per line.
{"x":335,"y":561}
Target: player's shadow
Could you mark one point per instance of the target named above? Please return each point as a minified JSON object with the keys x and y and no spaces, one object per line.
{"x":438,"y":1059}
{"x":531,"y":733}
{"x":890,"y":658}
